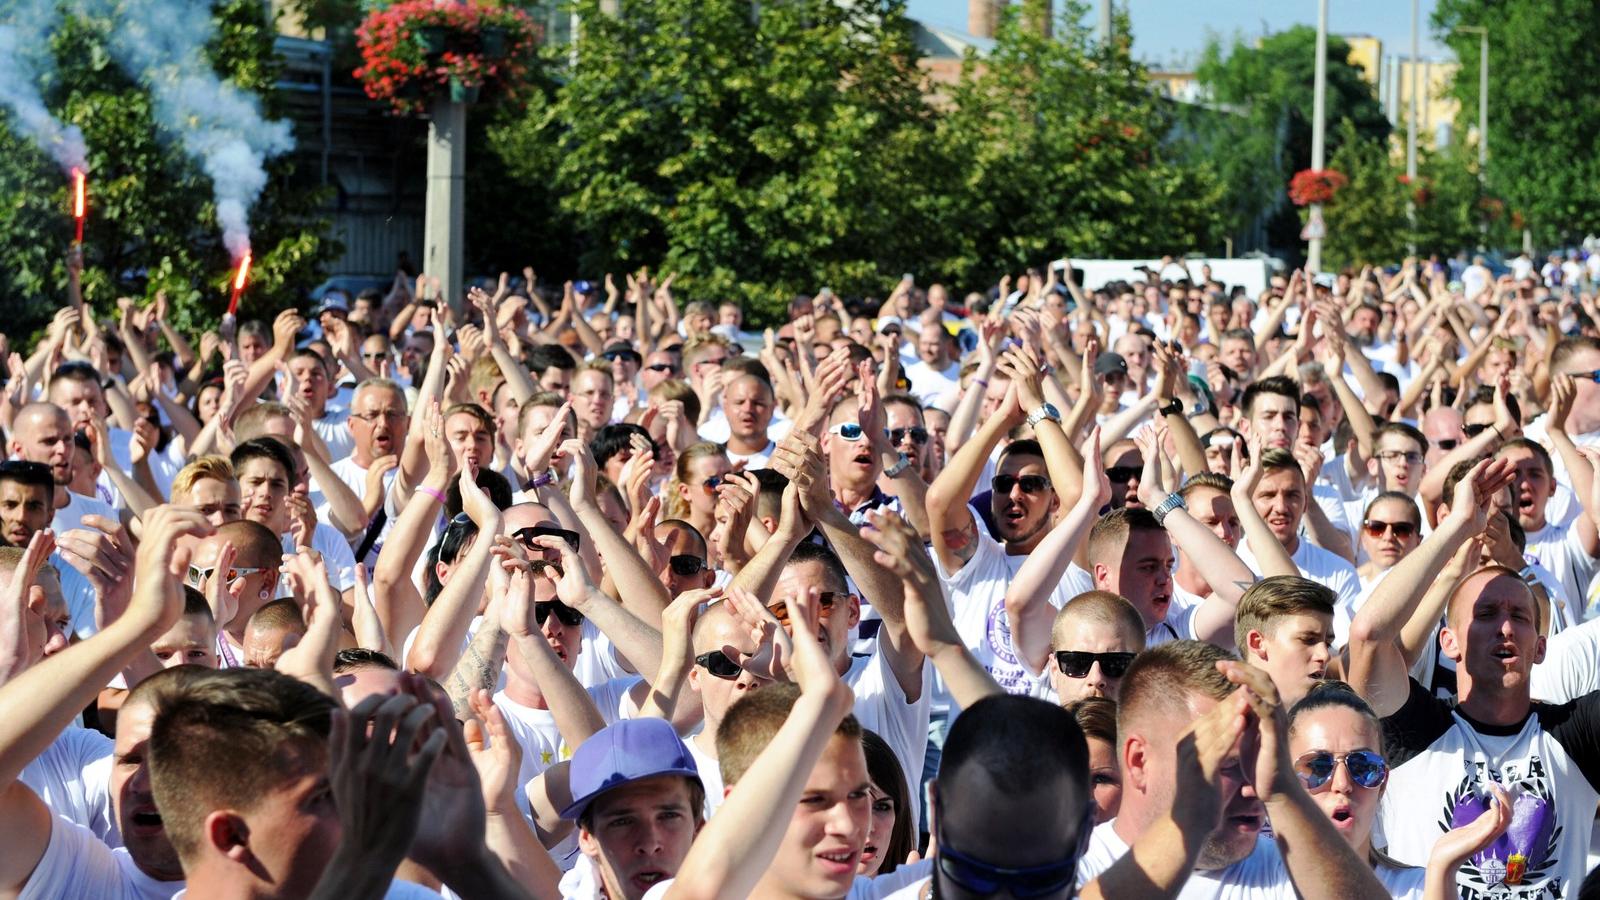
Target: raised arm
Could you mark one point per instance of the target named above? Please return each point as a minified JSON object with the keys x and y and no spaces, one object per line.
{"x":1029,"y":612}
{"x":737,"y":846}
{"x":444,"y":626}
{"x":924,"y":610}
{"x":1216,"y":562}
{"x":1271,"y":557}
{"x":948,"y":512}
{"x":1377,"y":667}
{"x":395,"y":597}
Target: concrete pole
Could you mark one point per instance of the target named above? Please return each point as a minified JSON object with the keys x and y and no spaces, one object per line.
{"x":1411,"y":129}
{"x":444,"y":222}
{"x":1483,"y":102}
{"x":1105,"y":21}
{"x":1319,"y":113}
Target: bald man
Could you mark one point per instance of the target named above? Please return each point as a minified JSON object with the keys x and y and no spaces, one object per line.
{"x":257,"y":553}
{"x":42,"y":433}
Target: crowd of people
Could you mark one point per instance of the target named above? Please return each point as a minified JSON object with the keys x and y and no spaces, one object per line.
{"x":1153,"y":590}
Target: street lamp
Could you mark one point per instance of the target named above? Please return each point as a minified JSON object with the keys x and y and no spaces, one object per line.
{"x":1411,"y":129}
{"x":1318,"y":154}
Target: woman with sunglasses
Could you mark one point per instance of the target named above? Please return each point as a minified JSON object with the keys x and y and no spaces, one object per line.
{"x":1336,"y":746}
{"x":1390,"y":529}
{"x":691,"y":495}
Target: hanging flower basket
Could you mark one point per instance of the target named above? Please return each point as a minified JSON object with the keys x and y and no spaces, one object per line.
{"x":419,"y":51}
{"x":1310,"y":186}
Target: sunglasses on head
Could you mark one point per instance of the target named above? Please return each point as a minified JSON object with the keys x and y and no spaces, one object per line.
{"x":1077,"y":663}
{"x":1122,"y":474}
{"x":685,"y":565}
{"x":1367,"y":768}
{"x":565,"y":614}
{"x":825,"y":601}
{"x":1402,"y":530}
{"x":198,"y":574}
{"x":1031,"y":484}
{"x":525,"y":536}
{"x":1472,"y":431}
{"x":460,"y":530}
{"x":718,"y":664}
{"x":919,"y":435}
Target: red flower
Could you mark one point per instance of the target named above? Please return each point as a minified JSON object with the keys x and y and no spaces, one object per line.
{"x":399,"y":68}
{"x":1310,"y":186}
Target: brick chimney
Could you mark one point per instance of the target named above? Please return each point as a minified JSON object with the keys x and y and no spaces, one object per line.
{"x":982,"y":17}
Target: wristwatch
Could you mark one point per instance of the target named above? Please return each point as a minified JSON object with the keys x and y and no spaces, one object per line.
{"x":899,"y":468}
{"x":1171,"y":407}
{"x":1173,"y":501}
{"x":1045,"y":411}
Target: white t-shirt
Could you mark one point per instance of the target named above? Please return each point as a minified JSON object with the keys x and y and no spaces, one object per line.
{"x":977,"y":599}
{"x":1259,"y":876}
{"x":753,"y":461}
{"x":354,"y":475}
{"x":336,"y":554}
{"x":710,"y":773}
{"x":1560,"y":550}
{"x":77,"y":865}
{"x":930,"y":385}
{"x":71,"y":516}
{"x":882,"y":707}
{"x":1322,"y":566}
{"x":334,"y":431}
{"x":895,"y":884}
{"x":1440,"y":759}
{"x":717,"y":431}
{"x":68,"y":777}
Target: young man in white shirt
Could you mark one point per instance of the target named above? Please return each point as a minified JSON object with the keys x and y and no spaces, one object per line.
{"x":1571,"y":551}
{"x":1285,"y":628}
{"x":42,"y":433}
{"x":1281,"y":498}
{"x":936,"y":373}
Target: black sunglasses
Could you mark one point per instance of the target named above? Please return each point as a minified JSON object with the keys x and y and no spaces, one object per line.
{"x":718,"y":664}
{"x":1031,"y":484}
{"x":686,"y":566}
{"x":919,"y":435}
{"x":525,"y":536}
{"x":1122,"y":474}
{"x":1446,"y":443}
{"x":460,"y":530}
{"x":661,"y":367}
{"x":1077,"y":663}
{"x":1402,"y":530}
{"x":1472,"y":431}
{"x":565,"y":614}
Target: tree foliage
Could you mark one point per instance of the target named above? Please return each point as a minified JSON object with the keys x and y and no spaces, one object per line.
{"x":1544,"y":117}
{"x":1263,"y":137}
{"x":764,"y":149}
{"x":152,"y":223}
{"x":1367,"y":219}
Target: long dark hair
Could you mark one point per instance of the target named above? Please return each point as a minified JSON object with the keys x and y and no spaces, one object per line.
{"x":888,"y":776}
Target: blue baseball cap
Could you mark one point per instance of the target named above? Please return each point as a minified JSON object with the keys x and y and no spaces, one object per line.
{"x":620,"y":754}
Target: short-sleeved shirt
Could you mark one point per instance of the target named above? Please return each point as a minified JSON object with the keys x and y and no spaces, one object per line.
{"x":881,"y":706}
{"x":336,"y":553}
{"x":977,"y":598}
{"x":1560,"y":550}
{"x":1317,"y":564}
{"x":1441,"y":764}
{"x":72,"y":778}
{"x":77,"y":866}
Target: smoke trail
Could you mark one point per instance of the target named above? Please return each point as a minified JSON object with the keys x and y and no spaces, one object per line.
{"x":25,"y":61}
{"x":162,"y":44}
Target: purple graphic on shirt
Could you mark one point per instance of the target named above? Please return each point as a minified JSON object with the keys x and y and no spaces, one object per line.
{"x":1523,"y":849}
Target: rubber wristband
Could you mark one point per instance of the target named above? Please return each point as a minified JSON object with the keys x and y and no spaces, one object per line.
{"x":432,"y":493}
{"x":982,"y":381}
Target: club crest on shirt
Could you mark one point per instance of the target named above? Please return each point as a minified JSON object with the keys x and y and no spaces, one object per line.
{"x":1518,"y":865}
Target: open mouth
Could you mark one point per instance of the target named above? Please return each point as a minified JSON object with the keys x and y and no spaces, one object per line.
{"x":1505,"y":653}
{"x":1341,"y":815}
{"x":840,"y":862}
{"x":644,"y":880}
{"x":145,"y":820}
{"x":1244,"y":822}
{"x":864,"y":458}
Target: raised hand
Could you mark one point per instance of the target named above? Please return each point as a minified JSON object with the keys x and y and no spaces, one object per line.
{"x":477,"y":505}
{"x":537,"y":459}
{"x":495,"y":753}
{"x":900,"y":550}
{"x":162,"y":562}
{"x":1474,"y":493}
{"x":1096,"y":484}
{"x":1154,"y":486}
{"x":1203,"y":750}
{"x":1562,"y":391}
{"x":102,"y":551}
{"x":1265,"y":759}
{"x":764,"y":648}
{"x":311,"y":660}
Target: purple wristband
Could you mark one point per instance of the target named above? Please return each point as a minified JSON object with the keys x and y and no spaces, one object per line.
{"x":431,"y":493}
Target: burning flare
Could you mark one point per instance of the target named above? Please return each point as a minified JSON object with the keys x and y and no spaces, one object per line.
{"x":78,"y":207}
{"x":238,"y":283}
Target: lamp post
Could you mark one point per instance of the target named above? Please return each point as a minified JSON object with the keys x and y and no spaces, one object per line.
{"x":1411,"y":131}
{"x":1318,"y":115}
{"x":444,"y":218}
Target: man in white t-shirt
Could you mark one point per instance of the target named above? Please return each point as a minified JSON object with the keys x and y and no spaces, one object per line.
{"x":378,"y":424}
{"x":748,"y":406}
{"x":719,"y":682}
{"x":1570,"y":552}
{"x":42,"y":433}
{"x":1182,"y":682}
{"x":264,"y":467}
{"x":936,"y":373}
{"x":308,"y":373}
{"x":1281,"y":498}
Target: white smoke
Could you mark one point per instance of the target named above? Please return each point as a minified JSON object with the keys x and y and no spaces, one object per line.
{"x":25,"y":62}
{"x":162,"y":44}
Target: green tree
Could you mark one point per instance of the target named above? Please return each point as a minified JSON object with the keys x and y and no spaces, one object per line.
{"x":1059,"y":146}
{"x":757,"y":150}
{"x":1367,"y":218}
{"x":1543,"y":119}
{"x":152,"y":223}
{"x":1263,"y":137}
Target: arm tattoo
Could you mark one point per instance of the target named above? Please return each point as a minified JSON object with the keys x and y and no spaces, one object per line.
{"x":478,"y":668}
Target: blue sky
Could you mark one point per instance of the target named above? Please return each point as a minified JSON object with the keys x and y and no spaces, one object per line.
{"x":1166,"y":30}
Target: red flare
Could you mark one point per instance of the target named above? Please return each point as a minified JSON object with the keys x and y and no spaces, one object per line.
{"x":238,"y":283}
{"x":78,"y":206}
